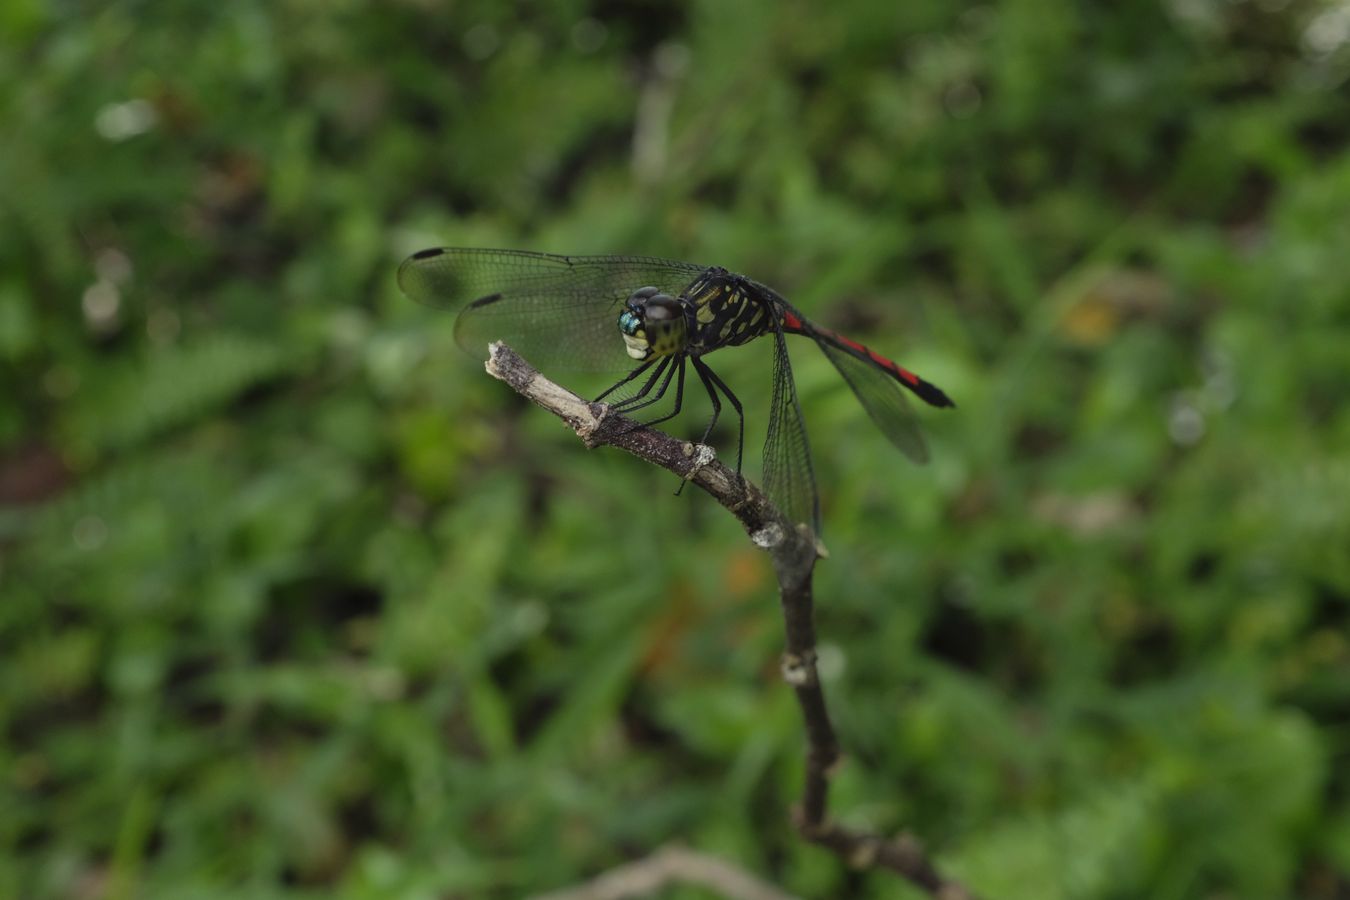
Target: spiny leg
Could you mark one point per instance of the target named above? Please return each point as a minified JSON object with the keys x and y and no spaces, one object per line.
{"x":679,"y":394}
{"x":703,"y":372}
{"x":637,"y":401}
{"x":631,"y":375}
{"x":711,"y":381}
{"x":660,"y":392}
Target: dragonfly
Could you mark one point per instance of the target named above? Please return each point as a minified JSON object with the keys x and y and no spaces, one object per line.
{"x":651,"y":320}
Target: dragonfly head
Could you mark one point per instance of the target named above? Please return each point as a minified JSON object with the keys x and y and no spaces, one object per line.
{"x":652,"y":324}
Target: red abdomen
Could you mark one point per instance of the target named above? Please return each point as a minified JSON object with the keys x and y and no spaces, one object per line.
{"x":929,"y":393}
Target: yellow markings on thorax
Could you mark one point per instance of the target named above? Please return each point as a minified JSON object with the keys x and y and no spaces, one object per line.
{"x":726,"y":317}
{"x":707,"y":306}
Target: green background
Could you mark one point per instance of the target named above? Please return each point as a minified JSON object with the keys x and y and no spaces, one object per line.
{"x":295,"y":601}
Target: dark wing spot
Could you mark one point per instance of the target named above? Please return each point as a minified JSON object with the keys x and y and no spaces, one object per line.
{"x":428,"y":253}
{"x":484,"y":301}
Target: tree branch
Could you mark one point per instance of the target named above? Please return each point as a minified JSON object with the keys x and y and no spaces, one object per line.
{"x":793,"y":551}
{"x":671,"y":865}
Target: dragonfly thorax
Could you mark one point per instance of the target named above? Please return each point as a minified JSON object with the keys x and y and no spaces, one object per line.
{"x":653,"y":324}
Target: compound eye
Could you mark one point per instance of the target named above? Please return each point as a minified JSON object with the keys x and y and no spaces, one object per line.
{"x":663,"y":308}
{"x":643,"y":293}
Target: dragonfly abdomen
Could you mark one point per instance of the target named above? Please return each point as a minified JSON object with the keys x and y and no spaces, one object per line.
{"x":929,"y":393}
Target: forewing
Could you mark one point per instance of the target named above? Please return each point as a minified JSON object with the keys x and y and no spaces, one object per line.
{"x":788,"y":476}
{"x":883,"y":399}
{"x":559,"y":312}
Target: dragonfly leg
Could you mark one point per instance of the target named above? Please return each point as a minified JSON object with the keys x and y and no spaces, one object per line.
{"x":703,"y":373}
{"x":679,"y":395}
{"x":640,"y":400}
{"x":629,"y":377}
{"x":713,"y":384}
{"x":637,"y":401}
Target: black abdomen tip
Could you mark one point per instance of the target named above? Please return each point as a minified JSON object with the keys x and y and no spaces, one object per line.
{"x":932,"y":394}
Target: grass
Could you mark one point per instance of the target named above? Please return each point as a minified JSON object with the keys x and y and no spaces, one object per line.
{"x":295,"y":602}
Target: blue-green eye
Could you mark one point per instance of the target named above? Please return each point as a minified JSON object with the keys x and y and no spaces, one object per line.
{"x":628,"y":323}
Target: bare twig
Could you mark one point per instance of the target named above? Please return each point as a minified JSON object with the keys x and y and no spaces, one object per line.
{"x":643,"y":877}
{"x":793,"y":550}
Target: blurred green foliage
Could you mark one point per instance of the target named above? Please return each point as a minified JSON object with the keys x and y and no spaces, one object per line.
{"x":296,"y":602}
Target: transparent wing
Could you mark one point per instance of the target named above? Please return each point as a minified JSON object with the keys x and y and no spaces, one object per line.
{"x":883,"y":399}
{"x":788,"y":476}
{"x":559,"y":312}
